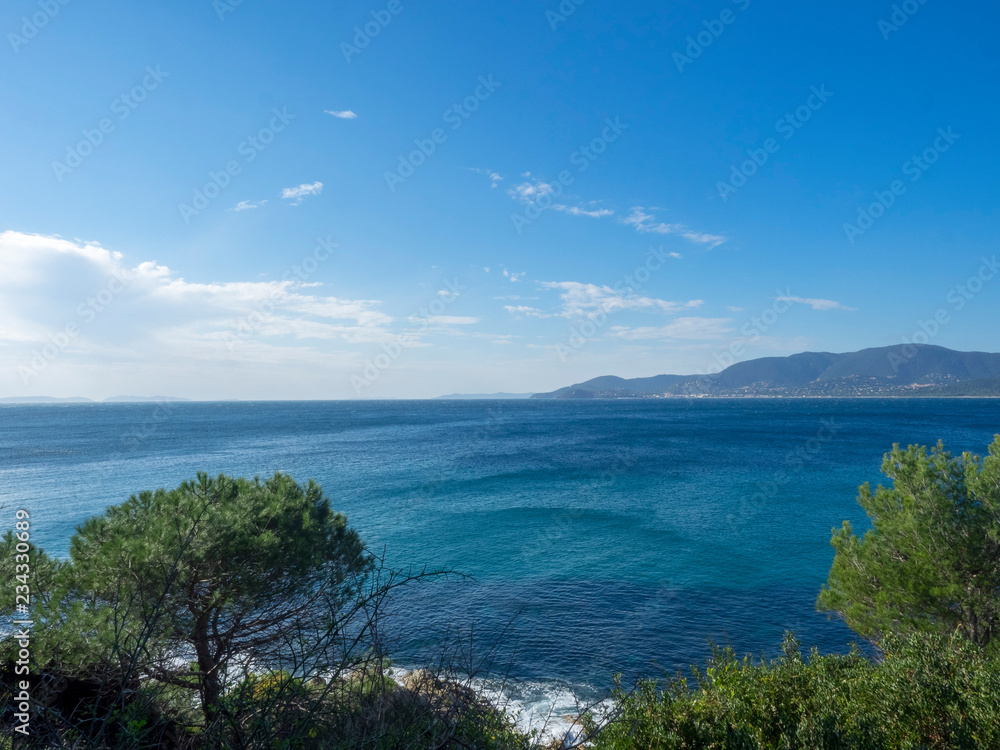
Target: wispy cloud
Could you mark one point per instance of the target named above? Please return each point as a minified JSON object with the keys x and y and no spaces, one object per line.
{"x":344,"y":114}
{"x":644,"y":223}
{"x":248,"y":205}
{"x":445,"y":320}
{"x":818,"y":304}
{"x":690,"y":328}
{"x":530,"y":190}
{"x":514,"y":276}
{"x":580,"y":299}
{"x":495,"y":178}
{"x":298,"y":194}
{"x":596,"y":213}
{"x":533,"y":189}
{"x":531,"y":312}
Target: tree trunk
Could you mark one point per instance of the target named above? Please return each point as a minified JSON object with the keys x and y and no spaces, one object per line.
{"x":211,"y":680}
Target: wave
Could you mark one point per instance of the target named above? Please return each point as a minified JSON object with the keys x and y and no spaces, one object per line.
{"x":549,"y":709}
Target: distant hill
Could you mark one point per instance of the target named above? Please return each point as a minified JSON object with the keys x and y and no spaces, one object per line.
{"x":77,"y":400}
{"x":886,"y":371}
{"x":43,"y":400}
{"x":141,"y":399}
{"x":484,"y":396}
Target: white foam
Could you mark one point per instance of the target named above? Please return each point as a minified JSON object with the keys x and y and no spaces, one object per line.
{"x":550,"y":709}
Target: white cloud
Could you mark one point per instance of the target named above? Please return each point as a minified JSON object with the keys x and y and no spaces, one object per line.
{"x":534,"y":189}
{"x":679,"y":328}
{"x":299,"y":194}
{"x":495,"y":178}
{"x":644,"y":222}
{"x":25,"y":258}
{"x":818,"y":304}
{"x":532,"y":312}
{"x":247,"y":205}
{"x":514,"y":276}
{"x":580,"y":299}
{"x":345,"y":114}
{"x":146,"y":312}
{"x":531,"y":190}
{"x":577,"y":211}
{"x":445,"y":320}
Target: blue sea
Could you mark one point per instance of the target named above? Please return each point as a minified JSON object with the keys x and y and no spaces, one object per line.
{"x":599,"y":536}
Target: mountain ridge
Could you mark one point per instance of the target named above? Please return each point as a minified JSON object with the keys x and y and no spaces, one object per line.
{"x":899,"y":370}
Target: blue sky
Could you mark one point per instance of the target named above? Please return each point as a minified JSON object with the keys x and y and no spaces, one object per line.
{"x":574,"y":210}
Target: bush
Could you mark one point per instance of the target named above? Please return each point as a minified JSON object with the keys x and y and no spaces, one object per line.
{"x":927,"y":692}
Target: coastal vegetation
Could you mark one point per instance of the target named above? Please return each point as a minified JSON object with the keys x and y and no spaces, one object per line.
{"x":236,"y":613}
{"x":227,"y":613}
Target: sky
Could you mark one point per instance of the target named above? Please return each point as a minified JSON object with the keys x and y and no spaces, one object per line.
{"x":246,"y":199}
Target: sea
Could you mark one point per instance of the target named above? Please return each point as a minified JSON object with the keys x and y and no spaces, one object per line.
{"x":593,"y":538}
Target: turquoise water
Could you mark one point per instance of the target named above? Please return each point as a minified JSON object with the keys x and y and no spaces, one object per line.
{"x":612,"y":536}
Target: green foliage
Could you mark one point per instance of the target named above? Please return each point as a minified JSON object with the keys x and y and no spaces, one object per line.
{"x":65,"y":632}
{"x":929,"y":692}
{"x":215,"y":568}
{"x":931,"y":561}
{"x":228,"y":613}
